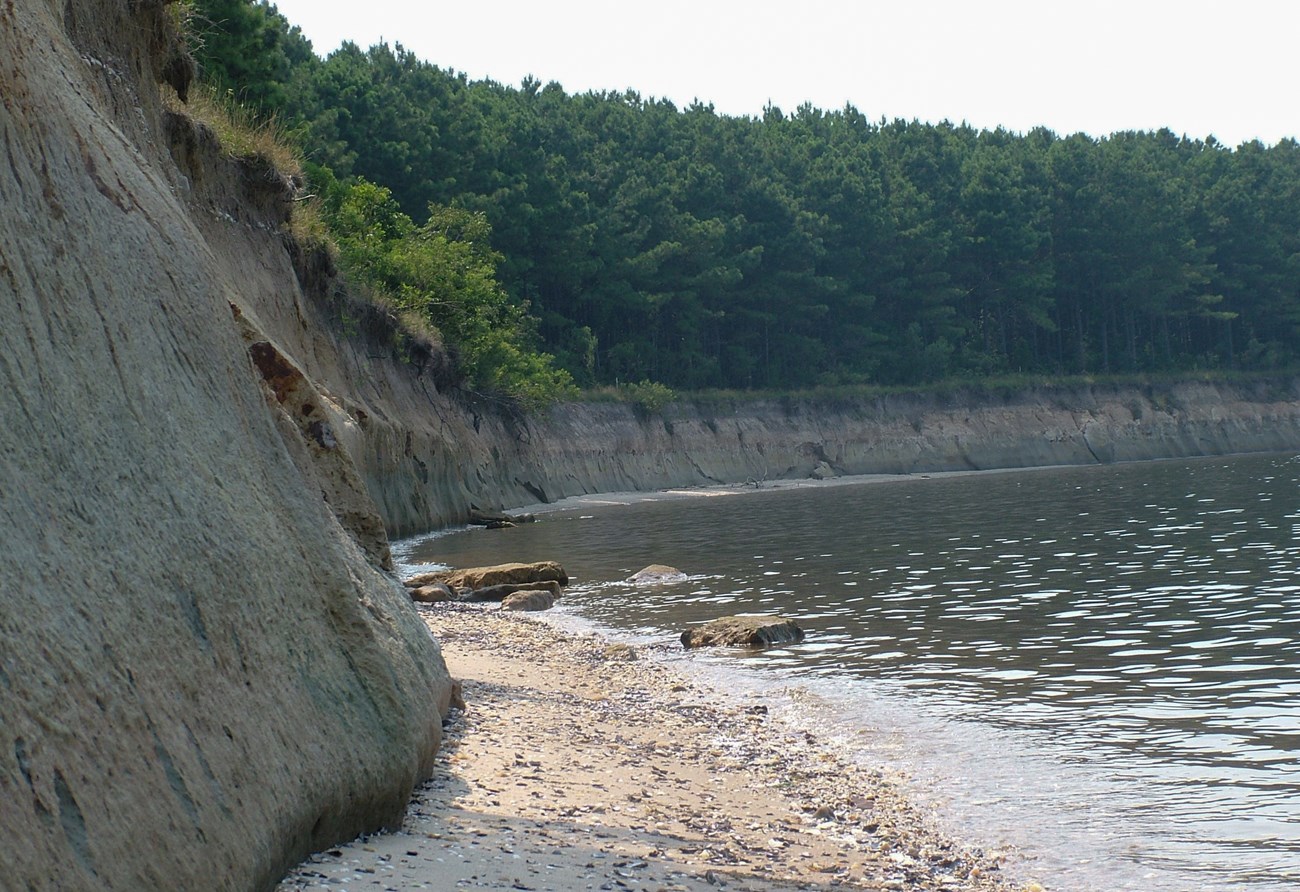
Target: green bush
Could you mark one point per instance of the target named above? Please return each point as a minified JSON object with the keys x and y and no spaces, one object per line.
{"x":444,"y":272}
{"x":647,"y":396}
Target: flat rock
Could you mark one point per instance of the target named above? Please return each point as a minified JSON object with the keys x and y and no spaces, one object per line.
{"x":432,"y":593}
{"x":743,"y":631}
{"x":433,"y":577}
{"x":496,"y":520}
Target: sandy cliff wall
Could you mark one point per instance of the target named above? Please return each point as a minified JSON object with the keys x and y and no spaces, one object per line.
{"x":204,"y":670}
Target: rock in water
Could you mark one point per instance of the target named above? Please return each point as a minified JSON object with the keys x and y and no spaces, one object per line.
{"x":657,"y":574}
{"x":536,"y":599}
{"x":487,"y":519}
{"x":743,"y":631}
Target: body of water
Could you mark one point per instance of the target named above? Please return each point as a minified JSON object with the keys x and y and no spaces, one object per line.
{"x":1097,"y":666}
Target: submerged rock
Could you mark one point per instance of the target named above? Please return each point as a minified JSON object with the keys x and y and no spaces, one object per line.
{"x":743,"y":631}
{"x":496,"y":520}
{"x":657,"y":574}
{"x":529,"y":599}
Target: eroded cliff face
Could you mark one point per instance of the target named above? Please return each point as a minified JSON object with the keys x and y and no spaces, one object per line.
{"x":205,"y":671}
{"x":701,"y":444}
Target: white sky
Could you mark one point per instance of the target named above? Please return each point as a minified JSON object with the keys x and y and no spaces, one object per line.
{"x":1230,"y":68}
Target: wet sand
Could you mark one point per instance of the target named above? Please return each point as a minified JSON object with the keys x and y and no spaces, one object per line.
{"x":580,"y":764}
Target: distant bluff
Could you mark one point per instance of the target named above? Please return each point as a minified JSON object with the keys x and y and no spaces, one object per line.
{"x":205,"y":672}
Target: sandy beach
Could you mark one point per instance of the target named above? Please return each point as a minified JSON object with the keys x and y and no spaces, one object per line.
{"x":580,"y":764}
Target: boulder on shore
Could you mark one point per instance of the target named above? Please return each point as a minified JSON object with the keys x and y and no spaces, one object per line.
{"x":501,"y":592}
{"x":657,"y":574}
{"x":823,"y":471}
{"x":431,"y":594}
{"x":743,"y":631}
{"x":535,"y":599}
{"x":501,"y":574}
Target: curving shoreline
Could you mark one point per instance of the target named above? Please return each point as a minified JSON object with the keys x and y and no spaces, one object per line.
{"x":584,"y":764}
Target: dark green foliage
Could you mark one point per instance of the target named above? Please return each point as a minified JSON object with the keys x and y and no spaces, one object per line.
{"x":248,"y":49}
{"x":815,"y":248}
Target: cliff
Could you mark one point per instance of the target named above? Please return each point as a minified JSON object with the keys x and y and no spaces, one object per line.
{"x":205,"y":671}
{"x":428,"y":454}
{"x":593,"y":448}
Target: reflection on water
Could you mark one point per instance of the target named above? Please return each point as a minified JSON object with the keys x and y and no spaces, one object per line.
{"x":1108,"y":655}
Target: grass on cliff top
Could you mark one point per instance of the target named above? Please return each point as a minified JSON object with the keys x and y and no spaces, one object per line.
{"x":655,"y":398}
{"x":241,"y":132}
{"x":245,"y":134}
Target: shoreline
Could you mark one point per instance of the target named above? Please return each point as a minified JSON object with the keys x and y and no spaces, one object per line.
{"x":632,"y":497}
{"x":584,"y":764}
{"x":624,"y":498}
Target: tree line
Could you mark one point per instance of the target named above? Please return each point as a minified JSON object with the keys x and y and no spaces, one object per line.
{"x":642,"y":241}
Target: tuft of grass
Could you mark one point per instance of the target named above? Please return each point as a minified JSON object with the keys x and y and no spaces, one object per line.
{"x":649,"y":397}
{"x":307,"y":226}
{"x":419,"y":329}
{"x":242,"y":132}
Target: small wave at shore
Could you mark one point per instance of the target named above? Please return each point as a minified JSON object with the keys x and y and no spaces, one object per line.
{"x":1063,"y":821}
